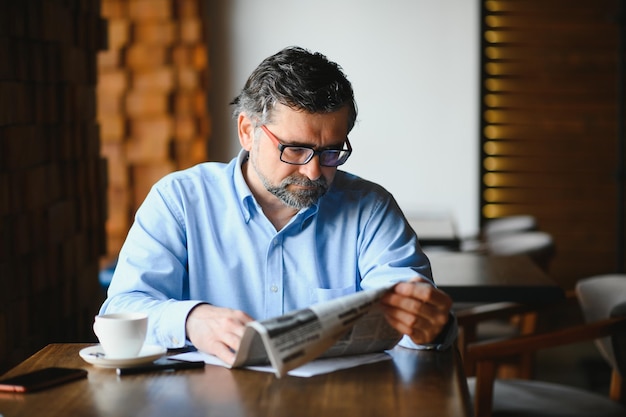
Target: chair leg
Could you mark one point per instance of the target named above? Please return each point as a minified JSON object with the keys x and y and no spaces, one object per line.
{"x":483,"y":393}
{"x":617,"y":390}
{"x":523,"y":366}
{"x":467,"y":335}
{"x":528,"y":325}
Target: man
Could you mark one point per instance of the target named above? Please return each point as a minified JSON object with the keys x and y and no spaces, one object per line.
{"x":278,"y":228}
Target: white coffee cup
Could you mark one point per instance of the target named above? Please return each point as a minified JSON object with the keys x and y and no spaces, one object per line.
{"x":121,"y":335}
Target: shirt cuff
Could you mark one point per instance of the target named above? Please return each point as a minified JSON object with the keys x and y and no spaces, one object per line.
{"x":171,"y":332}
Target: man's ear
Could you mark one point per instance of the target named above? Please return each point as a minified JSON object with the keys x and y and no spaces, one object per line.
{"x":245,"y":129}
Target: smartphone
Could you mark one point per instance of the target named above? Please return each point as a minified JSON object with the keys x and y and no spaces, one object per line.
{"x":41,"y":378}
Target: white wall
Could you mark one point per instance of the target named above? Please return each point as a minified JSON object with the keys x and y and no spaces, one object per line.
{"x":414,"y":68}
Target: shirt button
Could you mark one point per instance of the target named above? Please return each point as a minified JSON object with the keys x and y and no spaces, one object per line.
{"x":274,"y":288}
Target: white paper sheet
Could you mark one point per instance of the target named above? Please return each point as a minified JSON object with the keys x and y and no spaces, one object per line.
{"x":316,"y":367}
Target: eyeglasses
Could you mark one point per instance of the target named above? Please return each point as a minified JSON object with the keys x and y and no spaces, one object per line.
{"x":302,"y":155}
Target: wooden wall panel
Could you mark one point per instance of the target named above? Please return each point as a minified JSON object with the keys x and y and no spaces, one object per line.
{"x":52,"y":180}
{"x":549,"y":126}
{"x":151,"y":105}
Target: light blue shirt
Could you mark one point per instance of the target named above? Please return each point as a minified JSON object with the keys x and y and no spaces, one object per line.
{"x":201,"y":237}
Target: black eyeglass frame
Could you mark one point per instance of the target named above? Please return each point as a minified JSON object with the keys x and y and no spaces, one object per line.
{"x":282,"y":147}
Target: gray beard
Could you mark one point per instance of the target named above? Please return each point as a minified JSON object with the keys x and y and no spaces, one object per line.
{"x":297,"y":199}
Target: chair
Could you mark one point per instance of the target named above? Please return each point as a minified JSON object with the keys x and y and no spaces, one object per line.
{"x":508,"y":224}
{"x":603,"y":303}
{"x":536,"y":244}
{"x":484,"y":322}
{"x":495,"y":321}
{"x":498,"y":227}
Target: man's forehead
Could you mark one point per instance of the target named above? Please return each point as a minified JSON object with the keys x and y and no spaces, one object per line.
{"x":283,"y":112}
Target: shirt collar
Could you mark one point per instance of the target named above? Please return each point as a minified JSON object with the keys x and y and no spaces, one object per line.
{"x":248,"y":203}
{"x":244,"y":195}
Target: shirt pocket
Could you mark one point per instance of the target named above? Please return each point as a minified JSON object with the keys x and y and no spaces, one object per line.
{"x":319,"y":295}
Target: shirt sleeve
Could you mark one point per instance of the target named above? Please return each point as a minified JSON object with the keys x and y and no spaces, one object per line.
{"x":389,"y":250}
{"x":151,"y":272}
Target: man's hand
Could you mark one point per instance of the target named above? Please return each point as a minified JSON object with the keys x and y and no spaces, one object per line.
{"x":417,"y":309}
{"x":216,"y":330}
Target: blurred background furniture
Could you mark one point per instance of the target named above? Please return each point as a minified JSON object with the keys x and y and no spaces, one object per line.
{"x":500,"y":226}
{"x":507,"y":236}
{"x":478,"y":283}
{"x":476,"y":278}
{"x":508,"y":224}
{"x":435,"y":231}
{"x":602,"y":300}
{"x":538,"y":245}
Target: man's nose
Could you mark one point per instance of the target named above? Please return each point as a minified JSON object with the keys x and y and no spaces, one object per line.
{"x":312,"y":169}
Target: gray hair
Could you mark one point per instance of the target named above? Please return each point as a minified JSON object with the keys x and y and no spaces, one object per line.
{"x":298,"y":79}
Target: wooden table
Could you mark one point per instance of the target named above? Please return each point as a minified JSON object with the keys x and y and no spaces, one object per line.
{"x":436,"y":232}
{"x":474,"y":277}
{"x":424,"y":383}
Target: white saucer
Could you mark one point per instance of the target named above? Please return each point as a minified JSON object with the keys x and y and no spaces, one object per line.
{"x":95,"y":356}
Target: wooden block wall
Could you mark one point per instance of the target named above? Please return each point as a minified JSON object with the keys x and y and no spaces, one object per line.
{"x":550,"y":126}
{"x":151,"y":100}
{"x":52,"y":178}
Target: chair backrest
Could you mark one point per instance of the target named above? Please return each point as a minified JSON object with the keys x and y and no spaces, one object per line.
{"x":601,"y":297}
{"x":539,"y":246}
{"x":509,"y":224}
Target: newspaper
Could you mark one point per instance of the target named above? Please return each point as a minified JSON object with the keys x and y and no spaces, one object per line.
{"x":353,"y":324}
